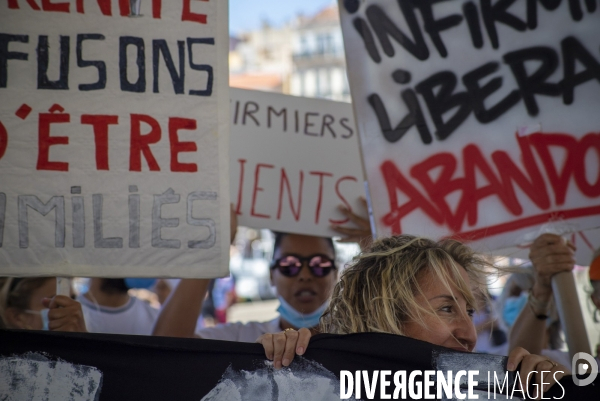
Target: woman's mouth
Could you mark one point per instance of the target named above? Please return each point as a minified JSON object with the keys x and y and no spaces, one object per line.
{"x":305,"y":295}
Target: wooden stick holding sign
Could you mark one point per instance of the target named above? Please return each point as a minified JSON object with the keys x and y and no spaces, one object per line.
{"x":63,"y":286}
{"x":569,"y":311}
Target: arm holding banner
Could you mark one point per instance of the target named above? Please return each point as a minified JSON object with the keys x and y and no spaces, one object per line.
{"x":180,"y":312}
{"x":550,"y":255}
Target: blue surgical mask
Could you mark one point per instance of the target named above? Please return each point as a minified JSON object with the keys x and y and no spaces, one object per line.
{"x":512,"y":307}
{"x":144,"y":283}
{"x":44,"y":314}
{"x":297,"y":319}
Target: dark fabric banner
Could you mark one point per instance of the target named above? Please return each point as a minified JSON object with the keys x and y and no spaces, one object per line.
{"x":48,"y":365}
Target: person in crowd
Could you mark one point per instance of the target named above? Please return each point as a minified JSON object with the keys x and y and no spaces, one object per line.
{"x":408,"y":286}
{"x":303,"y":271}
{"x":32,"y":304}
{"x":537,"y":327}
{"x":108,"y":308}
{"x":595,"y":278}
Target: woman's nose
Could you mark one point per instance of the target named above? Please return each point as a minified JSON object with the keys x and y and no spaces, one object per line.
{"x":465,"y":332}
{"x":305,"y":273}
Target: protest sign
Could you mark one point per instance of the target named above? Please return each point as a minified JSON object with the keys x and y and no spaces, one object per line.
{"x":477,"y":120}
{"x":384,"y":366}
{"x":293,"y":161}
{"x":114,"y":138}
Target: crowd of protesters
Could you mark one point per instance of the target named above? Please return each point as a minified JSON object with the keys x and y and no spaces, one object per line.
{"x":384,"y":289}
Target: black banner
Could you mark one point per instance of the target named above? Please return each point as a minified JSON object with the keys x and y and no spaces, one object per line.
{"x":160,"y":368}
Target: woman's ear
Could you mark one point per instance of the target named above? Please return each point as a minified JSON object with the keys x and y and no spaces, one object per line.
{"x":16,"y":319}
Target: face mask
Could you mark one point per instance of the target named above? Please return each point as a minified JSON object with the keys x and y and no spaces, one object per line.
{"x":144,"y":283}
{"x":512,"y":308}
{"x":297,"y":319}
{"x":44,"y":314}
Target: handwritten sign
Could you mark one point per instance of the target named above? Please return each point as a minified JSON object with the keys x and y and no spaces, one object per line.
{"x":114,"y":138}
{"x":293,"y":161}
{"x":477,"y":120}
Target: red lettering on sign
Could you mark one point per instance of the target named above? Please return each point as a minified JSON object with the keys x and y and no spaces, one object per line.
{"x":501,"y":183}
{"x":3,"y":139}
{"x":344,"y":201}
{"x":321,"y":174}
{"x":188,"y":15}
{"x":141,"y":143}
{"x":124,"y":8}
{"x":100,"y":124}
{"x":156,"y":8}
{"x":257,"y":189}
{"x":531,"y":183}
{"x":285,"y":182}
{"x":175,"y":124}
{"x":48,"y":5}
{"x":238,"y":209}
{"x":588,"y":142}
{"x":395,"y":181}
{"x":45,"y":140}
{"x":438,"y":190}
{"x":14,"y":5}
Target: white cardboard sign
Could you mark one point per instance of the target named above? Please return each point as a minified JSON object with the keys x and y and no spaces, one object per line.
{"x":114,"y":138}
{"x":477,"y":121}
{"x":293,"y":161}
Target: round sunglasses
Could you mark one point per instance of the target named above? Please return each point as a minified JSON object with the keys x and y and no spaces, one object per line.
{"x":290,"y":265}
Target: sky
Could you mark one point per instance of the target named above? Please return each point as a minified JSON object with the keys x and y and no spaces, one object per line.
{"x":245,"y":15}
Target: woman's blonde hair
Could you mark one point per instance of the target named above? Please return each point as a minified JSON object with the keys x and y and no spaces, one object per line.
{"x":377,"y":292}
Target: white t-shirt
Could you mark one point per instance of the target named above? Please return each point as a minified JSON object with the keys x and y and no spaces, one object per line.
{"x":242,"y":332}
{"x":135,"y":317}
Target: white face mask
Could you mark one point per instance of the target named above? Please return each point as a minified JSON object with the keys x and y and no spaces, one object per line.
{"x":44,"y":314}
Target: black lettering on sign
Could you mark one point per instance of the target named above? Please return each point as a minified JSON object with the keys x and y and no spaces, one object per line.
{"x":159,"y":46}
{"x":414,"y":117}
{"x":384,"y":27}
{"x":250,"y":113}
{"x":574,"y":51}
{"x":81,"y":63}
{"x":283,"y":112}
{"x":498,"y":13}
{"x":5,"y":55}
{"x":530,"y":85}
{"x":43,"y":59}
{"x":126,"y":85}
{"x":443,"y":100}
{"x":433,"y":27}
{"x":201,"y":67}
{"x":532,"y":12}
{"x":478,"y":93}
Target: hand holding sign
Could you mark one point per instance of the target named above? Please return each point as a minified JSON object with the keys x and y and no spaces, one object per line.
{"x":362,"y":233}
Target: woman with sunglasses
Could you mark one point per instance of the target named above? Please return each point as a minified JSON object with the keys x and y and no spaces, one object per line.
{"x":32,"y":304}
{"x":414,"y":287}
{"x":303,"y":271}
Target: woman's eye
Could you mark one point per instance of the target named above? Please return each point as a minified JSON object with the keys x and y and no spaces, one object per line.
{"x":471,"y":312}
{"x":447,"y":309}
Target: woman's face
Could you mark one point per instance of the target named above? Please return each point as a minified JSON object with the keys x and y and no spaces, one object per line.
{"x":33,"y":321}
{"x":452,"y":325}
{"x":304,"y":292}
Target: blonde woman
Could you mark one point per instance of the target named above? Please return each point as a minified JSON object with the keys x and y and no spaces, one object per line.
{"x":413,"y":287}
